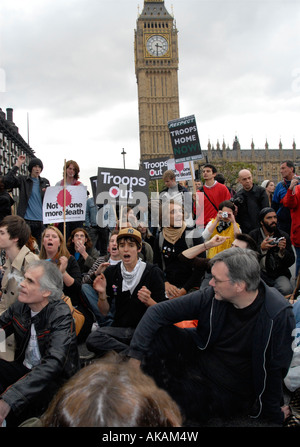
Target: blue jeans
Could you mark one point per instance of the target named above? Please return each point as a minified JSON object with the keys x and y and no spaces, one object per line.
{"x":91,"y":297}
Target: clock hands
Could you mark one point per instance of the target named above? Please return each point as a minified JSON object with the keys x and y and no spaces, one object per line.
{"x":157,"y":46}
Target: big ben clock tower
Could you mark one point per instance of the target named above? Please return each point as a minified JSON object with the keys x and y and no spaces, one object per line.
{"x":156,"y":68}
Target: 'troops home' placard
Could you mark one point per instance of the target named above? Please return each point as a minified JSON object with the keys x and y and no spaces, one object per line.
{"x":185,"y":139}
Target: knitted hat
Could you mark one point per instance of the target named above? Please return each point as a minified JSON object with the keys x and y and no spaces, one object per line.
{"x":35,"y":162}
{"x":130,"y":232}
{"x":264,"y":212}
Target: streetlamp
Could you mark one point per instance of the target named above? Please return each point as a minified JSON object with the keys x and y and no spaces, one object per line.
{"x":123,"y":153}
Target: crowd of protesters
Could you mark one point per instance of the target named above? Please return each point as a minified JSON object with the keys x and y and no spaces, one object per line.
{"x":203,"y":310}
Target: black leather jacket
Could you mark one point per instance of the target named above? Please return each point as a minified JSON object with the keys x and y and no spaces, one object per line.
{"x":24,"y":183}
{"x":57,"y":344}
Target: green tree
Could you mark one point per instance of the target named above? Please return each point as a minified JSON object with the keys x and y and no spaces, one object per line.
{"x":231,"y":170}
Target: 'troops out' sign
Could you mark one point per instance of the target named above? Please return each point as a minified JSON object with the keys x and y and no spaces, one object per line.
{"x":121,"y":185}
{"x":185,"y":139}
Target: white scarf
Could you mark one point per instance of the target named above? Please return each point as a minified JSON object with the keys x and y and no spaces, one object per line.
{"x":131,"y":279}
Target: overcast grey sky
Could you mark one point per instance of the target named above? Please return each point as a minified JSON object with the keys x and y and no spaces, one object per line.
{"x":69,"y":64}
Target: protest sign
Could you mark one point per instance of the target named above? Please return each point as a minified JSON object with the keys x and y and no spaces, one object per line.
{"x":121,"y":185}
{"x":182,"y":170}
{"x":157,"y":166}
{"x":93,"y":181}
{"x":185,"y":139}
{"x":75,"y":204}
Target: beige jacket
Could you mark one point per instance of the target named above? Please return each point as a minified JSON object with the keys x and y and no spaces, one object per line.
{"x":13,"y":274}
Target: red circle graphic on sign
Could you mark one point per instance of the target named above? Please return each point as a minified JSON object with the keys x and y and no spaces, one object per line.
{"x":60,"y":198}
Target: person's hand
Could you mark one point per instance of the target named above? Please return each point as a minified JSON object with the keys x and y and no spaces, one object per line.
{"x":171,"y":291}
{"x":144,"y":295}
{"x":4,"y":410}
{"x":99,"y":283}
{"x":267,"y":244}
{"x":102,"y":267}
{"x":182,"y":292}
{"x":219,"y":216}
{"x":216,"y":240}
{"x":63,"y":264}
{"x":20,"y":160}
{"x":294,"y":182}
{"x":282,"y":245}
{"x":80,"y":248}
{"x":231,"y":217}
{"x":286,"y":411}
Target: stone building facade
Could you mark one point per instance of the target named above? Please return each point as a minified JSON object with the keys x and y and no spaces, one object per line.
{"x":266,"y":161}
{"x":12,"y":144}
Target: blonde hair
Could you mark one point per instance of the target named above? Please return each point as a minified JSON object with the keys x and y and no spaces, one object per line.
{"x":62,"y":249}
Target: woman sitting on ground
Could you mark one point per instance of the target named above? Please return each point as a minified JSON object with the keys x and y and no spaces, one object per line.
{"x":224,"y":224}
{"x":80,"y":246}
{"x":171,"y":241}
{"x":54,"y":249}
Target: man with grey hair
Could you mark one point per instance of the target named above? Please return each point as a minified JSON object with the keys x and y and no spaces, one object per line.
{"x":234,"y":361}
{"x":46,"y":346}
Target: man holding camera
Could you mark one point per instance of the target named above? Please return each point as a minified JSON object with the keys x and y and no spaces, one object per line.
{"x":249,"y":200}
{"x":276,"y":252}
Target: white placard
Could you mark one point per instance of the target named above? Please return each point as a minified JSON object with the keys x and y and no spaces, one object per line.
{"x":53,"y":205}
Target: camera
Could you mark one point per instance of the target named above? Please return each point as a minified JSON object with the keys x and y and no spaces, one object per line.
{"x":237,"y":200}
{"x":225,"y":214}
{"x":274,"y":241}
{"x":297,"y":177}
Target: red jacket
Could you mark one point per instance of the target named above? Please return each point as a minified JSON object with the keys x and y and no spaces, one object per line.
{"x":217,"y":194}
{"x":292,"y":201}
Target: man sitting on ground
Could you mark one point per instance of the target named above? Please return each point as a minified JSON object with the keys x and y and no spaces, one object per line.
{"x":88,"y":292}
{"x":46,"y":343}
{"x":125,"y":290}
{"x":234,"y":361}
{"x":276,"y":252}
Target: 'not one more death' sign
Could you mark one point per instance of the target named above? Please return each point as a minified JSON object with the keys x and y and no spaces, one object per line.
{"x":185,"y":139}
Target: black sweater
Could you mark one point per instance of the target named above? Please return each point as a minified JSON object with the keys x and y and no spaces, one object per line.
{"x":128,"y":308}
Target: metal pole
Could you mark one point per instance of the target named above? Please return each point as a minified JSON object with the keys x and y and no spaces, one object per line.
{"x":123,"y":153}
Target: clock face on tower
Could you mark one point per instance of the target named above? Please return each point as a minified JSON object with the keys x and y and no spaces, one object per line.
{"x":157,"y":46}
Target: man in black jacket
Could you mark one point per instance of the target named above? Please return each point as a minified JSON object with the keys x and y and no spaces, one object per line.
{"x":125,"y":291}
{"x":235,"y":360}
{"x":32,"y":190}
{"x":46,"y":346}
{"x":276,"y":252}
{"x":250,"y":200}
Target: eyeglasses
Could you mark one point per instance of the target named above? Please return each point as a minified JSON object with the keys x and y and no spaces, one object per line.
{"x":217,"y":281}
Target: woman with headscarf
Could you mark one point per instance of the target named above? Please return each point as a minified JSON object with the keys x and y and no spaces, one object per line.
{"x":172,"y":240}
